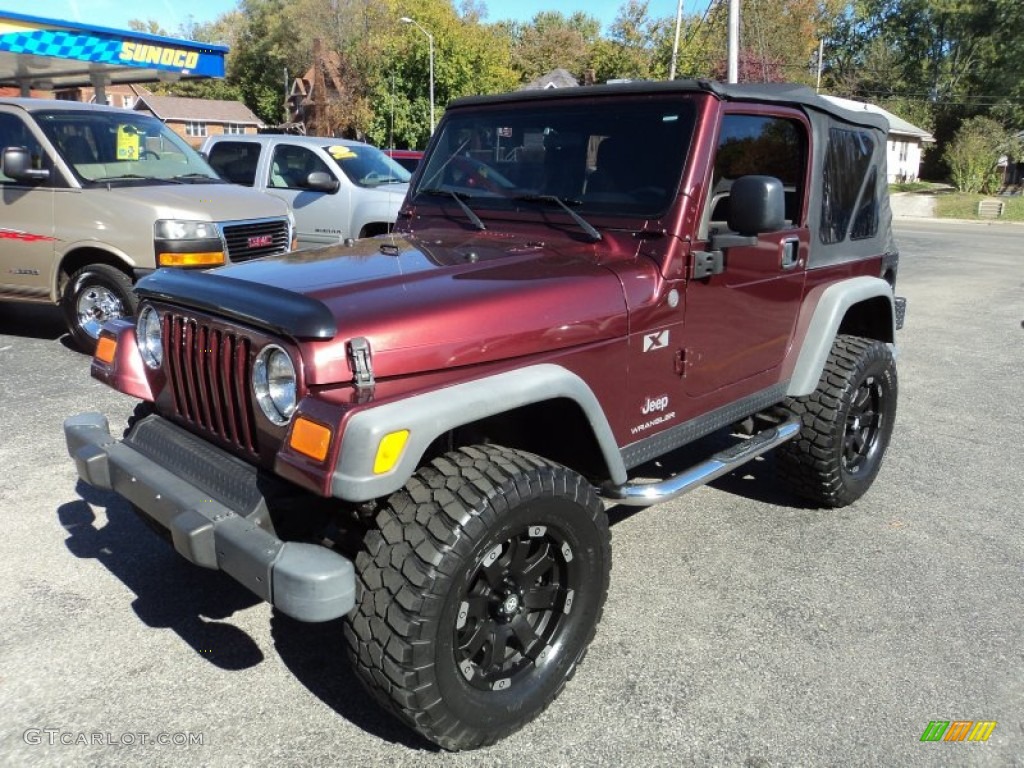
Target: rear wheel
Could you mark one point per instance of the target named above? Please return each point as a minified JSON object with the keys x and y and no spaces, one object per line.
{"x":479,"y":593}
{"x":846,"y":424}
{"x":95,"y":294}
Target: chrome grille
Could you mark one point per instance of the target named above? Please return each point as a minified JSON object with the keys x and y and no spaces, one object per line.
{"x":208,"y":370}
{"x":252,"y":239}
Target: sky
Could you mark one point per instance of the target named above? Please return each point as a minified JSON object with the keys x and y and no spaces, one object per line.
{"x":173,"y":13}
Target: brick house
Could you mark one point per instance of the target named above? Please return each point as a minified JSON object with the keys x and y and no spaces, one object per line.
{"x":195,"y":119}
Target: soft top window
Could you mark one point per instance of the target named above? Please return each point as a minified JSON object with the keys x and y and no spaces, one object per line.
{"x":849,"y":183}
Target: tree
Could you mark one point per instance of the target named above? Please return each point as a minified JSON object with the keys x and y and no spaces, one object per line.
{"x":552,"y":40}
{"x":630,"y":50}
{"x":974,"y":154}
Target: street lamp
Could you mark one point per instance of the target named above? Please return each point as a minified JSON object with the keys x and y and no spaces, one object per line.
{"x":430,"y":40}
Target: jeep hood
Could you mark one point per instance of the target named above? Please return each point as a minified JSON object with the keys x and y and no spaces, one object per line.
{"x":444,"y":299}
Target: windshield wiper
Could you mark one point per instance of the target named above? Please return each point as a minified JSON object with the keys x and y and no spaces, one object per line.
{"x":458,"y":197}
{"x":564,"y":204}
{"x":135,"y":177}
{"x":197,"y":178}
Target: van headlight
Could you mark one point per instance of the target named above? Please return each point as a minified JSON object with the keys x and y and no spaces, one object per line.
{"x":149,"y":337}
{"x":184,"y":243}
{"x":273,"y":380}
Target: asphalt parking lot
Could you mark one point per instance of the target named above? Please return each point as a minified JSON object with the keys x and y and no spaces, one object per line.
{"x":741,"y":629}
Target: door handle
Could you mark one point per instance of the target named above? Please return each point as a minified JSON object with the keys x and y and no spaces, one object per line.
{"x":790,"y":253}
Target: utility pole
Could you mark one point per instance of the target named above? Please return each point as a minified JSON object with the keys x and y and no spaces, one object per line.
{"x":821,"y":56}
{"x":675,"y":45}
{"x":734,"y":41}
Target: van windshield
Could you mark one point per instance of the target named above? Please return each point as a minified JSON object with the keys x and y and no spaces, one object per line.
{"x":105,"y":147}
{"x":623,"y":159}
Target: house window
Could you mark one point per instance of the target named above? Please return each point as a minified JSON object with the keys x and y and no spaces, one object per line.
{"x":234,"y":129}
{"x":195,"y":128}
{"x":127,"y":102}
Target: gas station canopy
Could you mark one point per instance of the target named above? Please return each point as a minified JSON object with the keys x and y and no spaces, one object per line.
{"x":45,"y":54}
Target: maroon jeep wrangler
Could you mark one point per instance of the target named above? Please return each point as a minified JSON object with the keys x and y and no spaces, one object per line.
{"x":582,"y":281}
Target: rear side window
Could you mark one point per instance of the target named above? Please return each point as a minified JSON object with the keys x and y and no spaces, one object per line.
{"x":236,"y":161}
{"x":849,"y":187}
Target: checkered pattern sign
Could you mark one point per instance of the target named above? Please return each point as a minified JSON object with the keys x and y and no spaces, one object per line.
{"x":64,"y":45}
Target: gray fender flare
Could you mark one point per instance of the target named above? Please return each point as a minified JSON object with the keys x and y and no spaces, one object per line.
{"x":821,"y":331}
{"x":431,"y":414}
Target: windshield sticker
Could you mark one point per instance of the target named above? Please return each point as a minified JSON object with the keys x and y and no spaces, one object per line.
{"x":339,"y":152}
{"x":127,"y":142}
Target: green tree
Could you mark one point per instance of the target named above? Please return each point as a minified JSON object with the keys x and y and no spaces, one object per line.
{"x":552,"y":40}
{"x":630,"y":52}
{"x":974,"y":153}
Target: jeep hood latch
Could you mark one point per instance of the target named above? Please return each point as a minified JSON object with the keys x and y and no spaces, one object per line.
{"x":362,"y":362}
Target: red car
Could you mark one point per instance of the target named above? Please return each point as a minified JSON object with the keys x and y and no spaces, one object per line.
{"x":407,"y":158}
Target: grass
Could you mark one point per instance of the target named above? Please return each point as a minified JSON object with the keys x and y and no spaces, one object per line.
{"x":960,"y":205}
{"x":913,"y":186}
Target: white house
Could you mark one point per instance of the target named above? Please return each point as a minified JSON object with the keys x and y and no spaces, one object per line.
{"x":906,"y":141}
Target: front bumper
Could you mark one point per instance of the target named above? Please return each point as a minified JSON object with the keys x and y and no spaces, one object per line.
{"x":208,"y":500}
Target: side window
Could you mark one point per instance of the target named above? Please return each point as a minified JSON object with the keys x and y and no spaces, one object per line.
{"x":14,"y":133}
{"x":236,"y":161}
{"x":847,"y":195}
{"x":759,"y":145}
{"x":290,"y":166}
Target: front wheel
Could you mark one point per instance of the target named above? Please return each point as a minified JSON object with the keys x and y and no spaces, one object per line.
{"x":95,"y":294}
{"x":846,"y":424}
{"x":479,"y":593}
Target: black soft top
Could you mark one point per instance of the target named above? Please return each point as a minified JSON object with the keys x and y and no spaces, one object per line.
{"x":774,"y":93}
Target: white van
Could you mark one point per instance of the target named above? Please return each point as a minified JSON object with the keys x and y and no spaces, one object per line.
{"x":96,"y":197}
{"x":337,"y":189}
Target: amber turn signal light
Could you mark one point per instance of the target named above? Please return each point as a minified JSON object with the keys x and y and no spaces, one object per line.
{"x":106,"y":348}
{"x":310,"y":439}
{"x":207,"y":259}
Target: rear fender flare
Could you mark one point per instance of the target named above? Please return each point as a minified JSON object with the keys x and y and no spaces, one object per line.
{"x":833,"y":304}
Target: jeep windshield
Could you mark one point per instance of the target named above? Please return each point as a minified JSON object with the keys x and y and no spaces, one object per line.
{"x":123,"y":148}
{"x":625,"y":159}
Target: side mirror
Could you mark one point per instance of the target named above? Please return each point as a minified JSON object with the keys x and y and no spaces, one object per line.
{"x":16,"y":163}
{"x":756,"y":204}
{"x":322,"y":182}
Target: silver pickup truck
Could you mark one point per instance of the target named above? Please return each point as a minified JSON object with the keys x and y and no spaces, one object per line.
{"x":94,"y":198}
{"x":337,"y":189}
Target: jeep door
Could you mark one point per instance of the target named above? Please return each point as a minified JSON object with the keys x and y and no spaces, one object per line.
{"x":321,"y":217}
{"x":739,"y":319}
{"x":27,"y":252}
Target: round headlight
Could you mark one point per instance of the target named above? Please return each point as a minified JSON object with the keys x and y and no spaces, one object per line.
{"x":273,"y":379}
{"x":149,"y":337}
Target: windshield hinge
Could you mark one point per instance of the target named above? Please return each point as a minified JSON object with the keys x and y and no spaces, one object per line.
{"x":361,"y":361}
{"x":707,"y":263}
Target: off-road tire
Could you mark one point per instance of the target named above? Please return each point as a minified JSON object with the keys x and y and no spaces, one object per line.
{"x":484,"y":545}
{"x":94,"y":294}
{"x":846,"y":424}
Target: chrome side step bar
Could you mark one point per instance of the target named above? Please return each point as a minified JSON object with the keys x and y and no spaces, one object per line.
{"x":723,"y":462}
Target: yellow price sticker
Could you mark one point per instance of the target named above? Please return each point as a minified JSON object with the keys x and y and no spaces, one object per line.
{"x":127,"y":143}
{"x":339,"y":152}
